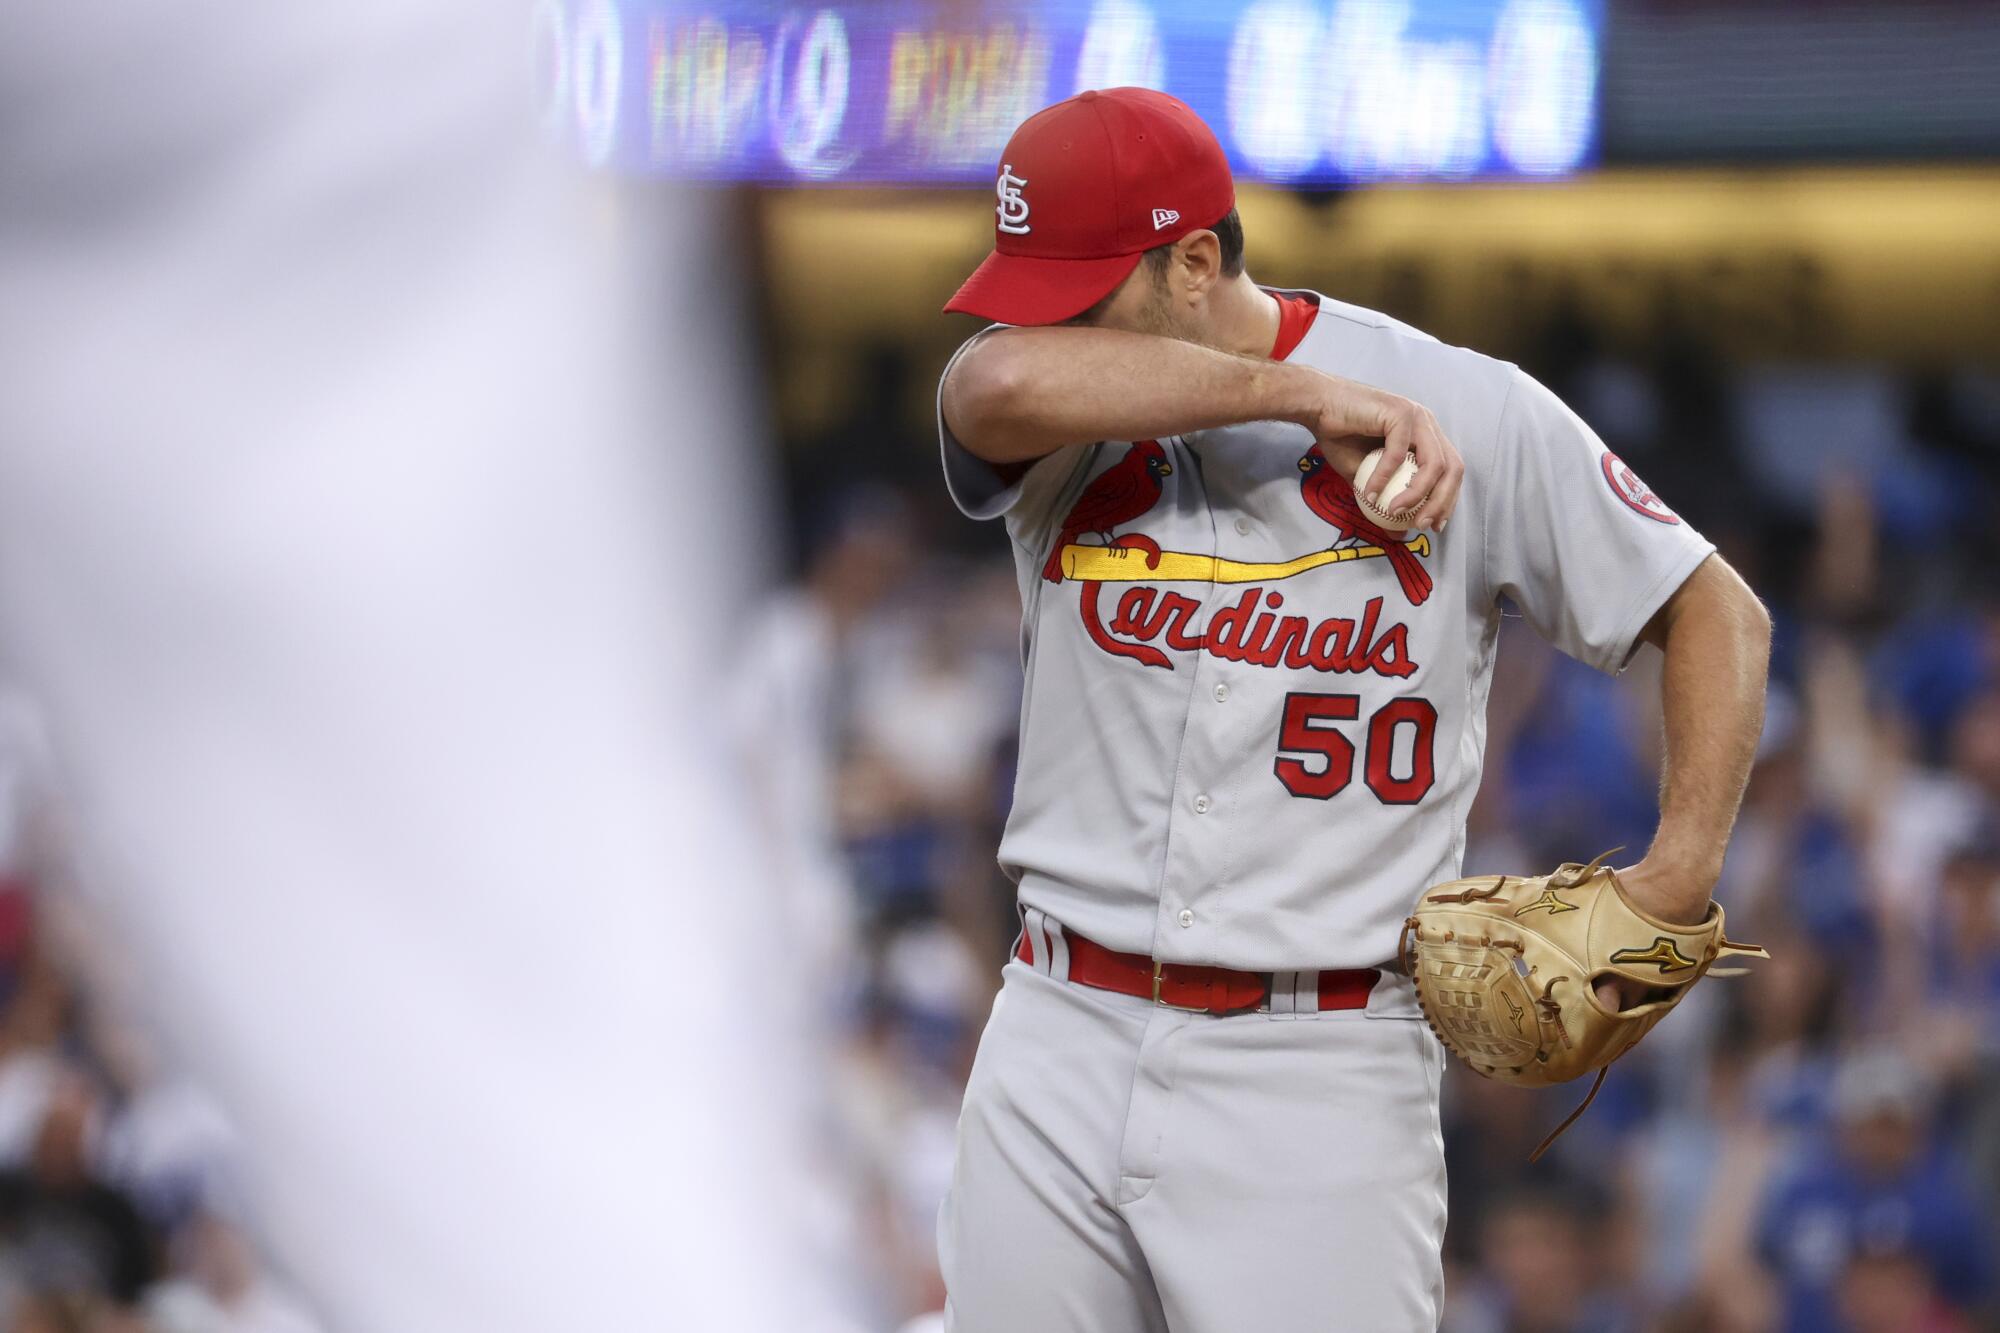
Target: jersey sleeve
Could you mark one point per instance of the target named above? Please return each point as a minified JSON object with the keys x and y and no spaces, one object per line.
{"x":1573,"y":537}
{"x":1020,"y":494}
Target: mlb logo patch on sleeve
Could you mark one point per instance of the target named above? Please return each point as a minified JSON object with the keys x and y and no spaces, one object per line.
{"x":1625,"y":484}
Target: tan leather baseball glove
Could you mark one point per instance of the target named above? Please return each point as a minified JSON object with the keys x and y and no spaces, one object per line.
{"x":1506,"y":972}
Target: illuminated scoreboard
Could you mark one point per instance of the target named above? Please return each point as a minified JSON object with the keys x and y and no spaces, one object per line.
{"x":1300,"y":92}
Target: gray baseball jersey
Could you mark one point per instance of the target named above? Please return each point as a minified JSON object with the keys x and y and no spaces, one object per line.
{"x":1253,"y":723}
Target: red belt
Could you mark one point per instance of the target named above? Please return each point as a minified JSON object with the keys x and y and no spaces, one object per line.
{"x":1194,"y":986}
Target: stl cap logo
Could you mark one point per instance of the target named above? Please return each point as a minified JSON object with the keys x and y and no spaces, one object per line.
{"x":1547,"y":901}
{"x":1013,"y":208}
{"x":1661,"y":951}
{"x":1164,"y":218}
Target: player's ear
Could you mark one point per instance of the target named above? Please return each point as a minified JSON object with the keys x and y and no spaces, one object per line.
{"x":1198,"y":262}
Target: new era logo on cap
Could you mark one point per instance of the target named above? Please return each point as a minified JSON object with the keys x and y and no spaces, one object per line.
{"x":1165,"y":217}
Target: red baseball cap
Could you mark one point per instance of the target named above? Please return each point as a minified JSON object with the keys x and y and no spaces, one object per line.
{"x":1086,"y":187}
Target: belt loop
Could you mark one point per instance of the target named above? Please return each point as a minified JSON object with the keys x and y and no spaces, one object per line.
{"x":1047,"y":942}
{"x":1305,"y":993}
{"x":1038,"y":942}
{"x":1284,"y":999}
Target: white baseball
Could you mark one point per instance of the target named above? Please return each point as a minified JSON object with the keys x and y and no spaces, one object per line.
{"x":1382,"y":517}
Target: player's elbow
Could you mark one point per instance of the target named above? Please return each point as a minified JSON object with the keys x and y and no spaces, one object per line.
{"x":1746,"y":610}
{"x":1757,"y":618}
{"x":1716,"y":596}
{"x":986,"y":401}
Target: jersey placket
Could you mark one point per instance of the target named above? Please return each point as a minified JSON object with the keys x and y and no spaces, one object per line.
{"x":1201,"y":813}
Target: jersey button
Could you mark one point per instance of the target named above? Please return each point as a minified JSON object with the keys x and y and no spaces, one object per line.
{"x":1201,"y":804}
{"x":1186,"y":918}
{"x":1243,"y":527}
{"x":1221,"y":693}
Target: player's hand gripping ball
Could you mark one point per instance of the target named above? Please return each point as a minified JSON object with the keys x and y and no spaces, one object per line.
{"x":1394,"y":520}
{"x":1506,"y":971}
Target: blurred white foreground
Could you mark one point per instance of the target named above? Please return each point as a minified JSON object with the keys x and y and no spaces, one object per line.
{"x":358,"y":542}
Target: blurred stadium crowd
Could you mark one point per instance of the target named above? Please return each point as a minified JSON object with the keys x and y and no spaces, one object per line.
{"x":1813,"y":1147}
{"x":118,"y":1212}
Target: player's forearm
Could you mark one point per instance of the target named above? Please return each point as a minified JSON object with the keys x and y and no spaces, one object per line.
{"x":1717,"y":639}
{"x":1022,"y":393}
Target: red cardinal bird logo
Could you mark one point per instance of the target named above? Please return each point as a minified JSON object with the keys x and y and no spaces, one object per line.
{"x":1122,"y":492}
{"x":1329,"y":495}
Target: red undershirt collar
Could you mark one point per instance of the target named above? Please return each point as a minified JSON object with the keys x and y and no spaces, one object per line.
{"x":1295,"y":315}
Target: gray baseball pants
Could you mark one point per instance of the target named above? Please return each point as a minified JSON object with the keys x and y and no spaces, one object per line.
{"x":1128,"y":1168}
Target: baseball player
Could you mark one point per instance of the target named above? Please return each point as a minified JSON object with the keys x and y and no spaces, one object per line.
{"x":1253,"y":723}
